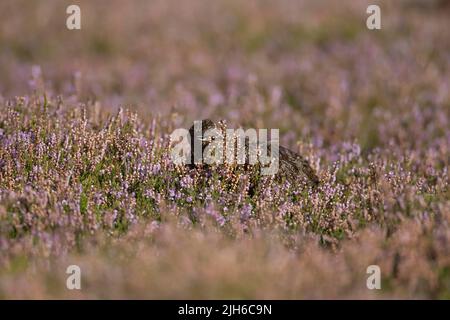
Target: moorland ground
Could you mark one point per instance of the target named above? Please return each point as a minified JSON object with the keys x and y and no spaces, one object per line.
{"x":86,"y":176}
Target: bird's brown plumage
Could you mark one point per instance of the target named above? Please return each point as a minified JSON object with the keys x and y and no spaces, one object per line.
{"x":293,"y":167}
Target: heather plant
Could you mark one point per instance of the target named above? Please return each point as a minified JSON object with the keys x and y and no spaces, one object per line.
{"x":87,"y":178}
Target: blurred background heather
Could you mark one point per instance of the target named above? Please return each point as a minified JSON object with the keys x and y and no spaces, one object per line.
{"x":360,"y":104}
{"x":308,"y":67}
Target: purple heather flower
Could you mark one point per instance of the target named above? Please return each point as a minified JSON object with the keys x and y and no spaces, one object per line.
{"x":246,"y":212}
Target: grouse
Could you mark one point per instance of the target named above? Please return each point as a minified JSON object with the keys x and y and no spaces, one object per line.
{"x":291,"y":166}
